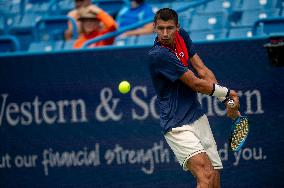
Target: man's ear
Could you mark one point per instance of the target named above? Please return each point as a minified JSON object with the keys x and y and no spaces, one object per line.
{"x":178,"y":27}
{"x":154,"y":27}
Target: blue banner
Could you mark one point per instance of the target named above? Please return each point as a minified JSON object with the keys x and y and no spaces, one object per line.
{"x":64,"y":123}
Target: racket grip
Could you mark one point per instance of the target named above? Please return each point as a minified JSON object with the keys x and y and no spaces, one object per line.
{"x":231,"y":103}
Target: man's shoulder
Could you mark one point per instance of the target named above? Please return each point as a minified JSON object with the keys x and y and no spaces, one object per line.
{"x":183,"y":33}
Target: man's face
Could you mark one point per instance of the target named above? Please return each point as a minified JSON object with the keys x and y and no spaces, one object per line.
{"x":134,"y":4}
{"x":166,"y":31}
{"x":90,"y":25}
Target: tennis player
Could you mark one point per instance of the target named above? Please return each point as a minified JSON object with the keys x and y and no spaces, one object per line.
{"x":173,"y":61}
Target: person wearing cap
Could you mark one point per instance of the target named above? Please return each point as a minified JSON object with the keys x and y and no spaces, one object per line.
{"x":94,"y":22}
{"x":138,"y":11}
{"x":75,"y":15}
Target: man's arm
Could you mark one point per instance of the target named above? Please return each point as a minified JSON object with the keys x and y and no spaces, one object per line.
{"x":107,"y":20}
{"x":202,"y":71}
{"x":204,"y":84}
{"x":146,"y":29}
{"x":69,"y":32}
{"x":197,"y":84}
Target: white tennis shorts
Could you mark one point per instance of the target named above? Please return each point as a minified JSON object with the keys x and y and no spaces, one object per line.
{"x":189,"y":140}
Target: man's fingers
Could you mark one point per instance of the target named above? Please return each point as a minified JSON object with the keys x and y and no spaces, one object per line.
{"x":233,"y":113}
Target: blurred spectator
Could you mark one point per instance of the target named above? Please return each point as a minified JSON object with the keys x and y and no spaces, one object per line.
{"x":74,"y":14}
{"x":94,"y":22}
{"x":138,"y":11}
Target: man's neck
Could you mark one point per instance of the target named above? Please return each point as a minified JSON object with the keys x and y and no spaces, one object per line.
{"x":171,"y":46}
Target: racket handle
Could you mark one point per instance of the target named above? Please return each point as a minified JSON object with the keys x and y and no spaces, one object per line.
{"x":231,"y":103}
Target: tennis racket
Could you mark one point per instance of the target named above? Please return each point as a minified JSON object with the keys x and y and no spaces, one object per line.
{"x":239,"y":130}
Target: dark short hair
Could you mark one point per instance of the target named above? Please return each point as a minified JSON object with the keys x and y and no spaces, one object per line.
{"x":166,"y":14}
{"x":138,"y":1}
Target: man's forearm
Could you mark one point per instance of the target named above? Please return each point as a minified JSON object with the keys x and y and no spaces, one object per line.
{"x":146,"y":29}
{"x":209,"y":76}
{"x":204,"y":86}
{"x":203,"y":72}
{"x":206,"y":74}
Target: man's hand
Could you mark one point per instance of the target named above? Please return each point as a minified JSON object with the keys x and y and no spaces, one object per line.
{"x":94,"y":9}
{"x":233,"y":111}
{"x":233,"y":95}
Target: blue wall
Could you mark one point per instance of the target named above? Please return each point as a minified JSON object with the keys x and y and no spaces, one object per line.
{"x":63,"y":121}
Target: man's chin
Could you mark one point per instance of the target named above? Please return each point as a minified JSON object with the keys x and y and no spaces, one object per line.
{"x":165,"y":42}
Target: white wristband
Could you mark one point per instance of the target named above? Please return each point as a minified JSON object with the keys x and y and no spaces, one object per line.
{"x":222,"y":99}
{"x":219,"y":91}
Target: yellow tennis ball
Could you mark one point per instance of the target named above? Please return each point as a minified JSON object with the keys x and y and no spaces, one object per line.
{"x":124,"y":87}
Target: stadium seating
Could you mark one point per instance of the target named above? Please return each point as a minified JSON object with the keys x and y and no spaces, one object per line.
{"x":209,"y":21}
{"x":22,"y":27}
{"x":110,"y":6}
{"x":2,"y":25}
{"x":240,"y":32}
{"x":24,"y":35}
{"x":53,"y":28}
{"x":33,"y":21}
{"x":251,"y":16}
{"x":64,"y":6}
{"x":178,"y":5}
{"x":156,"y":6}
{"x":61,"y":7}
{"x":28,"y":20}
{"x":68,"y":45}
{"x":259,"y":4}
{"x":37,"y":6}
{"x":185,"y":19}
{"x":146,"y":39}
{"x":269,"y":27}
{"x":17,"y":7}
{"x":9,"y":43}
{"x":221,"y":5}
{"x":208,"y":35}
{"x":125,"y":41}
{"x":45,"y":46}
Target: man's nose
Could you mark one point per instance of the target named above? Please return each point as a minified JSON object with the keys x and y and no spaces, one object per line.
{"x":165,"y":32}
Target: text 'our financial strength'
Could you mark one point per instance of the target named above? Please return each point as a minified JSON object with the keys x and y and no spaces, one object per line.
{"x":144,"y":159}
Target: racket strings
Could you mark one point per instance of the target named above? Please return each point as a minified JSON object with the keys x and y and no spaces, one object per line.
{"x":239,"y":134}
